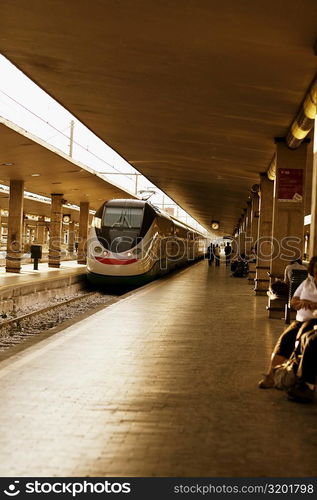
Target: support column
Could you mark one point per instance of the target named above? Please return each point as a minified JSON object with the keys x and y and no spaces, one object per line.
{"x":24,"y":233}
{"x":313,"y":223}
{"x":264,"y":239}
{"x":288,"y":207}
{"x":254,"y":236}
{"x":15,"y":227}
{"x":288,"y":215}
{"x":83,"y":231}
{"x":71,"y":237}
{"x":242,"y":235}
{"x":41,"y":230}
{"x":54,"y":254}
{"x":248,"y":243}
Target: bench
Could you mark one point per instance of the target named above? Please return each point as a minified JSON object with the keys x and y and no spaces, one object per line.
{"x":297,"y":277}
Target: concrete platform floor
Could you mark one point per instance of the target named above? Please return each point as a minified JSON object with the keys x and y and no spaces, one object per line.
{"x":27,"y":274}
{"x":163,"y":383}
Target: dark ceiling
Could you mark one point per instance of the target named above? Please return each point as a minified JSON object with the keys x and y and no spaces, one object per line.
{"x":190,"y":92}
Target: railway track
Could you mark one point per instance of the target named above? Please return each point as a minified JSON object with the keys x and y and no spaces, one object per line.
{"x":17,"y":329}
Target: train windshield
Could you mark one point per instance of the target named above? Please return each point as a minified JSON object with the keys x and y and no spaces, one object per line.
{"x":120,"y":227}
{"x":123,"y":218}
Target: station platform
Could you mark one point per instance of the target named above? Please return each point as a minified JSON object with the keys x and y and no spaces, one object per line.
{"x":25,"y":287}
{"x":161,"y":383}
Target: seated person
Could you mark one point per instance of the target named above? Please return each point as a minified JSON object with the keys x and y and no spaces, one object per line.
{"x":304,"y":301}
{"x":294,"y":264}
{"x":303,"y":391}
{"x":240,"y":267}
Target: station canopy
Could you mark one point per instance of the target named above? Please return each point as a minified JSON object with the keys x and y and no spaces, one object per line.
{"x":190,"y":92}
{"x":45,"y":170}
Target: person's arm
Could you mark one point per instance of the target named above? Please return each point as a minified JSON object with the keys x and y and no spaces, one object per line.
{"x":311,"y":305}
{"x":297,"y":303}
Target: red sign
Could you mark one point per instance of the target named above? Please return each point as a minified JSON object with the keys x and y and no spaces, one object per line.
{"x":290,"y":184}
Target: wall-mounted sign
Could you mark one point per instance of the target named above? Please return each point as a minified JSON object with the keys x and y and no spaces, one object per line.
{"x":290,"y":184}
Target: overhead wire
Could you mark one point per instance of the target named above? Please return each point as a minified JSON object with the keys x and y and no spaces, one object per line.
{"x":60,"y":131}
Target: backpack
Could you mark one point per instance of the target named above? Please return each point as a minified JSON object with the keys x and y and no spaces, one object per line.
{"x":285,"y":375}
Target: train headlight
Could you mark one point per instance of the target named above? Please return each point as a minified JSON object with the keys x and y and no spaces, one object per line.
{"x":98,"y":250}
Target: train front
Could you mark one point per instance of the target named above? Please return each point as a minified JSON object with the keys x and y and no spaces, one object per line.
{"x":121,"y":243}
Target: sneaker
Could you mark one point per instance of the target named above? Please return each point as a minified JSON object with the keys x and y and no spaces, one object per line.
{"x":300,"y":393}
{"x":267,"y":382}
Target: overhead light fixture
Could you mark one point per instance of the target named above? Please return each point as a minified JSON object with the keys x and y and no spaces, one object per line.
{"x":7,"y":164}
{"x":35,"y":175}
{"x":214,"y":224}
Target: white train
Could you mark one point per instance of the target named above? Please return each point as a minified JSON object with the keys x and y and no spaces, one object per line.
{"x":132,"y":242}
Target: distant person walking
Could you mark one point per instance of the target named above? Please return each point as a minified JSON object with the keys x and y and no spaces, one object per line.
{"x":217,"y":255}
{"x":210,"y":254}
{"x":228,"y":252}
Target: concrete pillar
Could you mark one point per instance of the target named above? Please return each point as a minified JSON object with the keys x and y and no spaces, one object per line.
{"x":71,"y":237}
{"x":83,"y":231}
{"x":54,"y":255}
{"x":309,"y":174}
{"x":46,"y":232}
{"x":15,"y":227}
{"x":308,"y":195}
{"x":242,"y":234}
{"x":24,"y":232}
{"x":248,"y":242}
{"x":254,"y":236}
{"x":76,"y":237}
{"x":288,"y":207}
{"x":313,"y":224}
{"x":264,"y":240}
{"x":255,"y":213}
{"x":41,"y":230}
{"x":288,"y":216}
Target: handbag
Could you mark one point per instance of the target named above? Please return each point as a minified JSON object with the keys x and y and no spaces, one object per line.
{"x":285,"y":374}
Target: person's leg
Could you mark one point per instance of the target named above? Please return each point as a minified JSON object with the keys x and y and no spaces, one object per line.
{"x":282,"y":351}
{"x":303,"y":391}
{"x":307,"y":369}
